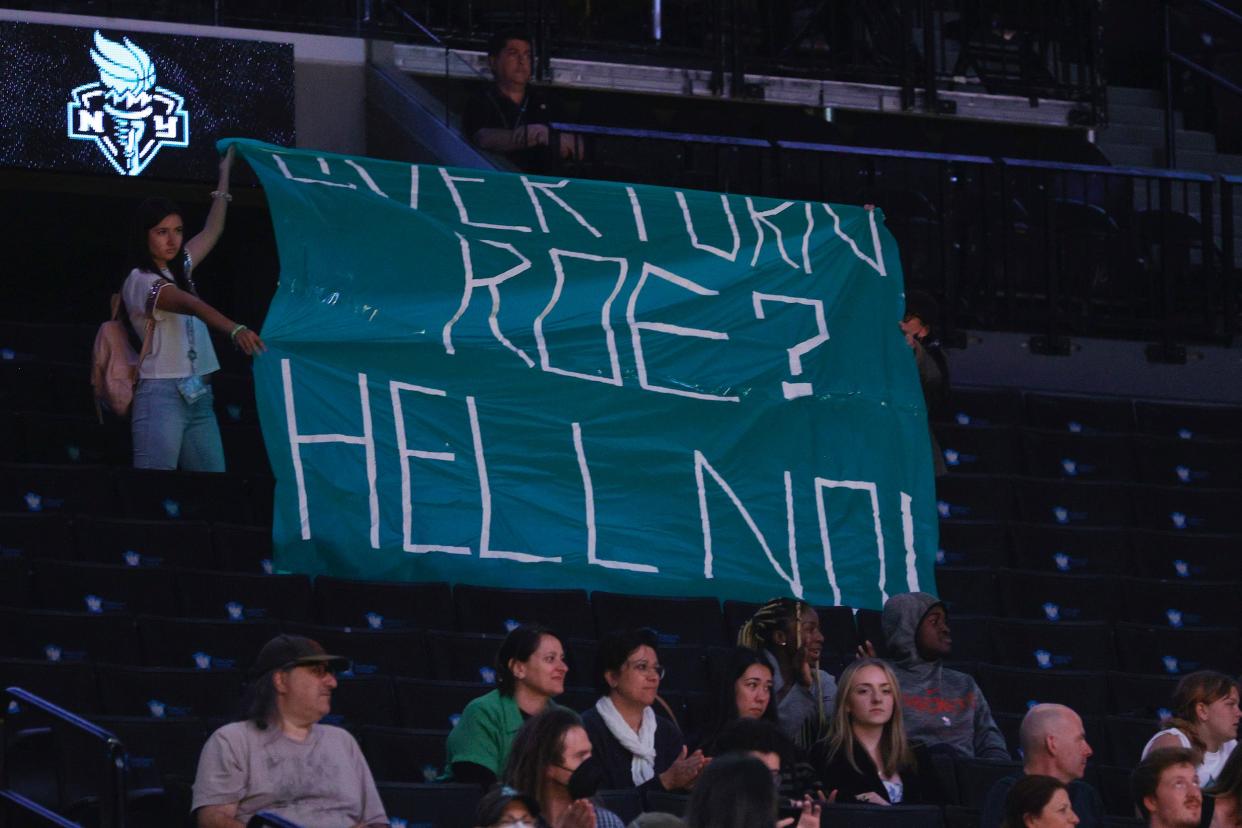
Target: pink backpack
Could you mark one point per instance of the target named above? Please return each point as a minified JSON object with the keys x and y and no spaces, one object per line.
{"x":114,"y":365}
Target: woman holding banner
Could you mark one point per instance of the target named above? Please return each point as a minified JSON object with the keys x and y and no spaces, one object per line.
{"x":173,"y":422}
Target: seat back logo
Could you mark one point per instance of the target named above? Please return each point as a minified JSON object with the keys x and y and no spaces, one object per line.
{"x":127,"y":116}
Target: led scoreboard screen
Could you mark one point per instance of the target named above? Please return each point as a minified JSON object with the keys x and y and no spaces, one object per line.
{"x":136,"y":103}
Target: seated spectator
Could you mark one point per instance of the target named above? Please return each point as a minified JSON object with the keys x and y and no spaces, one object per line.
{"x":635,"y":746}
{"x":764,"y":741}
{"x":504,"y":807}
{"x":865,"y":757}
{"x":551,"y":763}
{"x":510,"y":116}
{"x":737,"y":791}
{"x":743,"y":690}
{"x":530,"y":672}
{"x":939,"y":706}
{"x":787,"y":632}
{"x":1205,"y":717}
{"x":1226,"y":794}
{"x":280,"y":759}
{"x":1054,"y":744}
{"x":1165,"y":787}
{"x":1038,"y":801}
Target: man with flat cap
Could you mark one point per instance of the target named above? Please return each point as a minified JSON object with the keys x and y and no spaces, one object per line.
{"x":280,"y":759}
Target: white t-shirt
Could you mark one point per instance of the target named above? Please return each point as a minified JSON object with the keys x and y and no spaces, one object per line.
{"x":323,"y":782}
{"x":1213,"y":762}
{"x":170,"y":342}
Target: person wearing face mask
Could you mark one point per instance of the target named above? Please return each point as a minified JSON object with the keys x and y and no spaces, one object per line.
{"x":504,"y":807}
{"x":743,"y":683}
{"x":1038,"y":801}
{"x":939,"y":706}
{"x":866,"y":757}
{"x":1205,"y":718}
{"x":530,"y":672}
{"x":636,"y":747}
{"x":552,"y":764}
{"x":787,"y":632}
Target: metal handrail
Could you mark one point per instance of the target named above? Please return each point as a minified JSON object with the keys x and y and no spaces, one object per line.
{"x":1172,"y":56}
{"x":115,"y":753}
{"x":35,"y":808}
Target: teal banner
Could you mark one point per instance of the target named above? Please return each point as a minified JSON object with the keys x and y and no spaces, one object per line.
{"x":520,"y":381}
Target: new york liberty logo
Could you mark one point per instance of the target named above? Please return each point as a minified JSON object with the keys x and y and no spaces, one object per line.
{"x":127,"y":116}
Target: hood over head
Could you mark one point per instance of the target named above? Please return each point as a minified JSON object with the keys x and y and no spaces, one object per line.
{"x":900,"y":622}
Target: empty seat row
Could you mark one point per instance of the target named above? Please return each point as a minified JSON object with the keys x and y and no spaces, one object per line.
{"x":1072,"y":597}
{"x":1090,"y":550}
{"x":1085,"y":415}
{"x":135,"y":493}
{"x":1060,"y":503}
{"x":1162,"y":461}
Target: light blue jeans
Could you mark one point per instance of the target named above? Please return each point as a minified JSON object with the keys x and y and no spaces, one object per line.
{"x":169,"y":432}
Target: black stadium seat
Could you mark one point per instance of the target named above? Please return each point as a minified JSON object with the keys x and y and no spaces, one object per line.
{"x":1073,"y":504}
{"x":1126,"y":738}
{"x":971,"y":637}
{"x":202,"y":644}
{"x":434,"y":705}
{"x":1198,"y":463}
{"x":68,"y":636}
{"x":1179,"y":555}
{"x":1181,"y":603}
{"x":463,"y":656}
{"x":1053,"y":645}
{"x":676,"y":621}
{"x":441,"y":805}
{"x":158,"y":747}
{"x":176,"y":495}
{"x":1141,"y":696}
{"x":1015,"y":689}
{"x":1043,"y":596}
{"x":145,"y":543}
{"x":1167,"y":651}
{"x":1079,"y":550}
{"x":975,"y":778}
{"x":169,"y":693}
{"x":973,"y":497}
{"x":71,"y":685}
{"x":973,"y":543}
{"x":895,"y":816}
{"x":382,"y":605}
{"x":1063,"y":455}
{"x":1079,"y":415}
{"x":37,"y":489}
{"x":242,"y":548}
{"x":972,"y":449}
{"x":37,"y":535}
{"x":54,"y":438}
{"x":496,"y":611}
{"x":967,"y":590}
{"x":397,"y":754}
{"x":100,"y":588}
{"x":238,"y":596}
{"x":1187,"y":421}
{"x":363,"y":700}
{"x":984,"y":407}
{"x":1188,"y":510}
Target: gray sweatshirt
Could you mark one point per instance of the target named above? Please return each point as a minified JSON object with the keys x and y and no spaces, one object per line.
{"x":803,"y":712}
{"x":940,"y":706}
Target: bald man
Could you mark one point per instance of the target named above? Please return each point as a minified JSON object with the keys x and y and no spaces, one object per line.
{"x":1053,"y":743}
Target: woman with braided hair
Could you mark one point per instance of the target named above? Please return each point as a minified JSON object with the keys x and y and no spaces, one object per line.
{"x":787,"y":632}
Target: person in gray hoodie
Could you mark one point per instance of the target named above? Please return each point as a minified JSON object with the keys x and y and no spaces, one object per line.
{"x":940,"y":706}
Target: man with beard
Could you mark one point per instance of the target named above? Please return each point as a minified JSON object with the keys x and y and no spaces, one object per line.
{"x":1165,"y":786}
{"x":280,"y":759}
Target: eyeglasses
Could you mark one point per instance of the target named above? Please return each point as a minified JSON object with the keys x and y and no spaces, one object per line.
{"x":643,"y":668}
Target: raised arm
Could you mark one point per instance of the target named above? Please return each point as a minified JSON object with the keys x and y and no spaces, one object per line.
{"x":202,"y":244}
{"x":171,"y":298}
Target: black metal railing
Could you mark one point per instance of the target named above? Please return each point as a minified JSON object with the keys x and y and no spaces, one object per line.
{"x":1030,"y":48}
{"x":68,"y":765}
{"x":1005,"y":244}
{"x":1174,"y":58}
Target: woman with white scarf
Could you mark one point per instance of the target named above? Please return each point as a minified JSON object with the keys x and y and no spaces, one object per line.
{"x":637,"y":747}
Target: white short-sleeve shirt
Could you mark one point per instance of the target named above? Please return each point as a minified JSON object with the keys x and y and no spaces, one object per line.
{"x":168,"y":357}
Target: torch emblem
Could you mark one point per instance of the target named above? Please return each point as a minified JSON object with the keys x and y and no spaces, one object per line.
{"x":127,"y":116}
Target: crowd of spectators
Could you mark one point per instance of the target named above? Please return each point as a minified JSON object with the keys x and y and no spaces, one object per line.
{"x":784,"y":738}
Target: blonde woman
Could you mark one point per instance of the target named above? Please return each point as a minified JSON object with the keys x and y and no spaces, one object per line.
{"x":866,"y":757}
